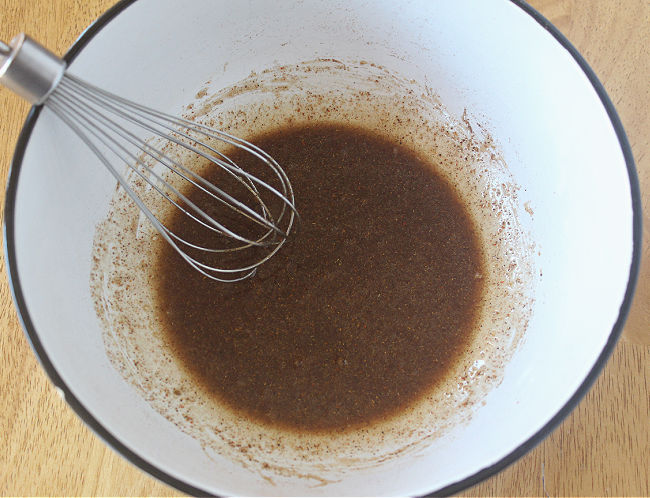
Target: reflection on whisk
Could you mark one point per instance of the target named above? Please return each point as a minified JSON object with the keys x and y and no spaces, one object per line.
{"x":247,"y":211}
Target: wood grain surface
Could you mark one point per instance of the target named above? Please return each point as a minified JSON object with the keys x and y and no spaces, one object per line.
{"x":602,"y":448}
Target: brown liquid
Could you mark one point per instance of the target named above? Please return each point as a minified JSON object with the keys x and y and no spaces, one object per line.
{"x":363,"y":311}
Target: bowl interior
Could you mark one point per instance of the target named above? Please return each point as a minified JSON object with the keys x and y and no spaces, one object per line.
{"x":488,"y":57}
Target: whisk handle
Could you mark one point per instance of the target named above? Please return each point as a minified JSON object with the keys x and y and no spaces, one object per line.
{"x":29,"y":69}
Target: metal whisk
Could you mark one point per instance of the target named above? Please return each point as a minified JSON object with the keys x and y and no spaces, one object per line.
{"x":260,"y":211}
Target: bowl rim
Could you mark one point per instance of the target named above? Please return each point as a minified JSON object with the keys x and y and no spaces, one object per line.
{"x":456,"y":487}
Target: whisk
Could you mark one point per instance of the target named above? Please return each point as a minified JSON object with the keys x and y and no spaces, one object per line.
{"x":261,"y":209}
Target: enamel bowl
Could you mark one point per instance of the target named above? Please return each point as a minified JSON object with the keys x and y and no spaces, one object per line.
{"x":561,"y":138}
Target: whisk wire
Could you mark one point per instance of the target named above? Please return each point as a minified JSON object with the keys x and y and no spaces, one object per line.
{"x":74,"y":104}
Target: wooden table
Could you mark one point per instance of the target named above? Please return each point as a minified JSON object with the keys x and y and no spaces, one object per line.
{"x":598,"y":450}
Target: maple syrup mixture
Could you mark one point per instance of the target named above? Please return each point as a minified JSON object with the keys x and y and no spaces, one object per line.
{"x":364,"y":310}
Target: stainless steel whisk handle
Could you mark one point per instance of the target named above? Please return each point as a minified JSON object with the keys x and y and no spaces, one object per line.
{"x":121,"y":132}
{"x":29,"y":69}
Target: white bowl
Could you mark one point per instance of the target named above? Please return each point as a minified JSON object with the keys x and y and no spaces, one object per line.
{"x":561,"y":137}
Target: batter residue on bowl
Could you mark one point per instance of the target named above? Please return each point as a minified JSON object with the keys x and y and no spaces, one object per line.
{"x":401,"y":297}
